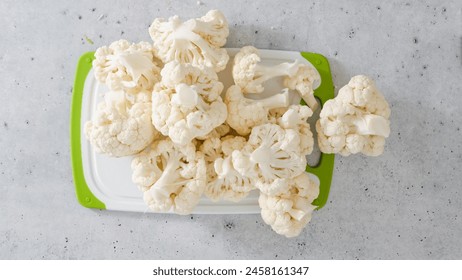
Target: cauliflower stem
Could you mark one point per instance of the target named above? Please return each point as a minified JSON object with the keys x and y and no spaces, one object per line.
{"x":372,"y":125}
{"x":265,"y":73}
{"x":168,"y":181}
{"x":188,"y":97}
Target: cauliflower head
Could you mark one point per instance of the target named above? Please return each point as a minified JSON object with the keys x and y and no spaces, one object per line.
{"x":288,"y":209}
{"x":196,"y":41}
{"x":303,"y":82}
{"x":245,"y":113}
{"x":296,"y":117}
{"x":171,"y":178}
{"x":356,"y":121}
{"x":250,"y":75}
{"x":126,"y":66}
{"x":271,"y":153}
{"x":120,"y":128}
{"x":187,"y":103}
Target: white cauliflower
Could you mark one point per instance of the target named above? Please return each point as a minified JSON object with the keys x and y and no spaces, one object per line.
{"x":296,"y":117}
{"x":187,"y":103}
{"x":126,"y":66}
{"x":270,"y":153}
{"x":245,"y":113}
{"x":196,"y":41}
{"x":121,"y":127}
{"x":228,"y":184}
{"x":203,"y":78}
{"x":218,"y":132}
{"x":250,"y":75}
{"x":234,"y":185}
{"x":172,"y":179}
{"x":288,"y":209}
{"x":303,"y":82}
{"x":356,"y":121}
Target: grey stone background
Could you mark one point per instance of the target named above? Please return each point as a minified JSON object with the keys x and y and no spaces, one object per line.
{"x":403,"y":205}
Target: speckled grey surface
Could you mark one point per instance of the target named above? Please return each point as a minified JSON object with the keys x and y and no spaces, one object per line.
{"x":403,"y":205}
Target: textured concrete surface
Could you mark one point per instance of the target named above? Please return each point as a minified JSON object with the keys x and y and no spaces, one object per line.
{"x":403,"y":205}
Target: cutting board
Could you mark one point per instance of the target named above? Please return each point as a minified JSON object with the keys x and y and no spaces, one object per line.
{"x":104,"y":182}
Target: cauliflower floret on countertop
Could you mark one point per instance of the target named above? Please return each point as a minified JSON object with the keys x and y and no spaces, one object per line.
{"x":126,"y":66}
{"x":171,"y":178}
{"x":121,"y":127}
{"x":249,"y":75}
{"x":270,"y":153}
{"x":186,"y":104}
{"x":288,"y":209}
{"x":356,"y":121}
{"x":196,"y":41}
{"x":245,"y":113}
{"x":224,"y":182}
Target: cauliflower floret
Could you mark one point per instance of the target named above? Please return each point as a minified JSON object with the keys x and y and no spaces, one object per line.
{"x":270,"y":153}
{"x":126,"y":66}
{"x":196,"y":41}
{"x":250,"y":75}
{"x":245,"y":113}
{"x":234,"y":185}
{"x":288,"y":210}
{"x":229,"y":185}
{"x":171,"y":178}
{"x":356,"y":121}
{"x":303,"y":82}
{"x":296,"y":117}
{"x":187,"y":103}
{"x":203,"y":78}
{"x":218,"y":132}
{"x":230,"y":143}
{"x":120,"y":128}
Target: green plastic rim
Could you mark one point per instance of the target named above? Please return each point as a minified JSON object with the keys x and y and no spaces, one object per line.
{"x":325,"y":168}
{"x":85,"y":197}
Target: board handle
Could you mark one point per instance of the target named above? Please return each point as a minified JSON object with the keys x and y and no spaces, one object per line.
{"x":325,"y":167}
{"x":84,"y":195}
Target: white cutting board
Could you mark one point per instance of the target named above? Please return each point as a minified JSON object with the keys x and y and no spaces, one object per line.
{"x":109,"y":179}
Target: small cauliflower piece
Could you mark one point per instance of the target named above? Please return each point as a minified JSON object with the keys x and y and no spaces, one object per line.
{"x":196,"y":41}
{"x":303,"y":82}
{"x":296,"y":117}
{"x":171,"y":178}
{"x":187,"y":103}
{"x":119,"y":127}
{"x":250,"y":75}
{"x":228,"y":184}
{"x":356,"y":121}
{"x":234,"y":185}
{"x":270,"y":153}
{"x":126,"y":66}
{"x":203,"y":78}
{"x":245,"y":113}
{"x":288,"y":209}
